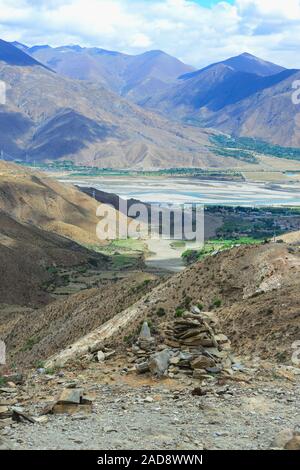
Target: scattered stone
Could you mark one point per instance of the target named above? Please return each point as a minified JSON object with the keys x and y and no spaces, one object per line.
{"x":282,"y":438}
{"x":159,"y":362}
{"x":109,"y":354}
{"x":11,"y":384}
{"x":40,"y":419}
{"x":202,"y":362}
{"x":96,"y":347}
{"x":142,"y":368}
{"x":109,"y":429}
{"x":191,"y":346}
{"x":71,"y":401}
{"x":72,"y":384}
{"x":20,"y":416}
{"x":195,"y":310}
{"x":70,"y":396}
{"x":17,"y":379}
{"x":100,"y":356}
{"x":145,"y":340}
{"x":5,"y":412}
{"x":200,"y":374}
{"x":199,"y":392}
{"x":5,"y":444}
{"x":5,"y":422}
{"x":71,"y":409}
{"x":149,"y":400}
{"x":294,"y":443}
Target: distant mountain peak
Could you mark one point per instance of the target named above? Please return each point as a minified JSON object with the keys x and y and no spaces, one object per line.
{"x":245,"y":62}
{"x":38,"y":48}
{"x":12,"y":55}
{"x":154,"y":52}
{"x":246,"y":54}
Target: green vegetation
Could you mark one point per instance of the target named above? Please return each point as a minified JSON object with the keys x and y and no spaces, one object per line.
{"x":124,"y":254}
{"x":178,"y":244}
{"x":217,"y":303}
{"x":161,"y":312}
{"x":214,"y":246}
{"x":52,"y":270}
{"x":179,"y":312}
{"x":247,"y":149}
{"x":124,"y":261}
{"x":128,"y":339}
{"x":129,"y":245}
{"x":87,"y":171}
{"x":40,"y":365}
{"x":30,"y":343}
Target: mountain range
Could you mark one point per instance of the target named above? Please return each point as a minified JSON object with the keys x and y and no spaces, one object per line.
{"x":48,"y":116}
{"x":110,"y":109}
{"x":130,"y":76}
{"x":244,"y":96}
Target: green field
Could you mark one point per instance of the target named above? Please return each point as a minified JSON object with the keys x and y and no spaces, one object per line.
{"x":247,"y":149}
{"x":214,"y":246}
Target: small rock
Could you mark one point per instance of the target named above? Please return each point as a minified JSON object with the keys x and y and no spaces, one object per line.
{"x":294,"y":443}
{"x":142,"y":367}
{"x":41,"y":419}
{"x":196,"y":310}
{"x":145,"y":331}
{"x":70,"y":396}
{"x":199,"y":392}
{"x":202,"y":362}
{"x":282,"y":438}
{"x":71,"y":409}
{"x":100,"y":356}
{"x":159,"y":362}
{"x":149,"y":400}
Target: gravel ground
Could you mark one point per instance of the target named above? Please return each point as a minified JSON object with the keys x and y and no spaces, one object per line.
{"x":157,"y":417}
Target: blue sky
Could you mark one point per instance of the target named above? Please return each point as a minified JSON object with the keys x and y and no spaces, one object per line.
{"x":209,"y":3}
{"x":196,"y":31}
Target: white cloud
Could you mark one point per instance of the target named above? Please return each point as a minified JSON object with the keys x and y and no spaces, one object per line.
{"x":197,"y":35}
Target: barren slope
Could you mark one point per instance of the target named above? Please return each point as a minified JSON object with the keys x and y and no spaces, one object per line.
{"x":27,"y":255}
{"x":50,"y":117}
{"x":62,"y":322}
{"x":256,"y":286}
{"x":37,"y":199}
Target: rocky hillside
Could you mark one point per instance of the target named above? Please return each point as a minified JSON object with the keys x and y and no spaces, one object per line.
{"x":37,"y":199}
{"x":28,"y":257}
{"x":244,"y":96}
{"x":252,"y":290}
{"x":49,"y":117}
{"x":132,"y":76}
{"x":57,"y":325}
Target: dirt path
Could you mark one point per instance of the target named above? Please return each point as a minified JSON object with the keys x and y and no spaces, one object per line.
{"x":163,"y":256}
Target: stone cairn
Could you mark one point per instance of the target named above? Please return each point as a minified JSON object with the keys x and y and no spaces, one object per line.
{"x":192,"y":345}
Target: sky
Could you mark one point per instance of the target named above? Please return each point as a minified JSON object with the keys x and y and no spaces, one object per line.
{"x":198,"y":32}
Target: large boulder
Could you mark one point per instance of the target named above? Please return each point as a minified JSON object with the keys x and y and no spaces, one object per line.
{"x":159,"y":362}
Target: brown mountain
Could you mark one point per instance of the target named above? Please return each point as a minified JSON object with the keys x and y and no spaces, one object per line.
{"x":27,"y":255}
{"x":34,"y":198}
{"x":254,"y":291}
{"x":133,"y":76}
{"x":50,"y":117}
{"x":244,"y":96}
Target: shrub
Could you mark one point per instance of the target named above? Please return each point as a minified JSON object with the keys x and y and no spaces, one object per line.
{"x":217,"y":303}
{"x":179,"y":312}
{"x":161,"y":312}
